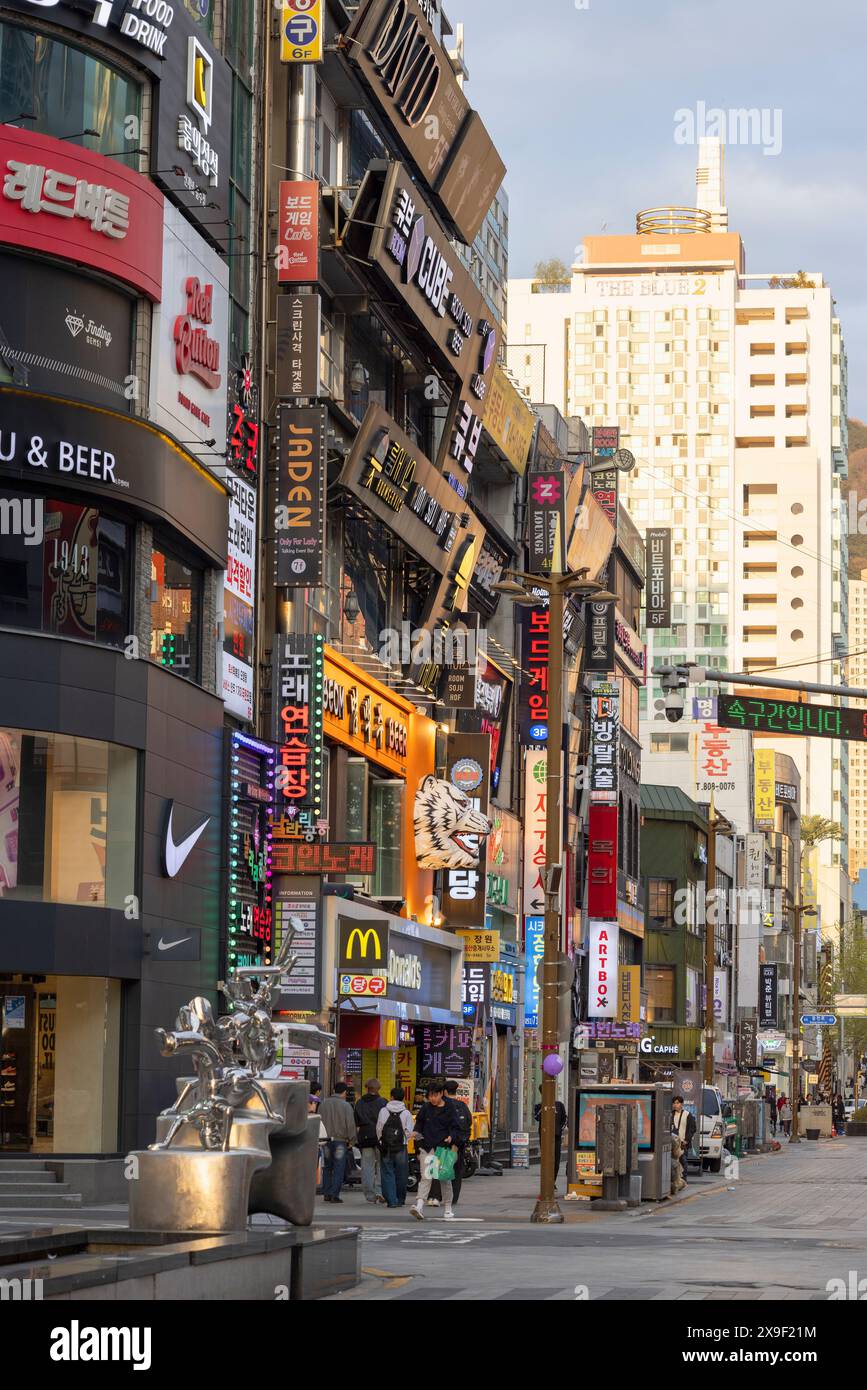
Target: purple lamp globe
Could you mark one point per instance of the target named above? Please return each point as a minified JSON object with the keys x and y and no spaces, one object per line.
{"x":552,"y":1065}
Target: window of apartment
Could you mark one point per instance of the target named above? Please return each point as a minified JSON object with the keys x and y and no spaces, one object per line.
{"x":75,"y":583}
{"x":669,"y":743}
{"x":761,"y":412}
{"x":755,"y":571}
{"x":68,"y":819}
{"x":325,"y":163}
{"x":364,"y":145}
{"x":760,"y":601}
{"x":761,"y":349}
{"x":792,"y":410}
{"x":660,"y":903}
{"x":176,"y":614}
{"x":64,"y":92}
{"x":754,"y":495}
{"x":795,"y":349}
{"x":763,"y":379}
{"x":758,"y":538}
{"x":796,"y":378}
{"x":753,"y":634}
{"x":659,"y":981}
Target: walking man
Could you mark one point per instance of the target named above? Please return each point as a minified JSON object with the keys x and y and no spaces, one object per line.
{"x":393,"y":1128}
{"x":367,"y":1112}
{"x":339,"y":1122}
{"x":435,"y":1126}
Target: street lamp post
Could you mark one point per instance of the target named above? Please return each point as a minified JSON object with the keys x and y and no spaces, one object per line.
{"x":800,"y":912}
{"x":558,"y":587}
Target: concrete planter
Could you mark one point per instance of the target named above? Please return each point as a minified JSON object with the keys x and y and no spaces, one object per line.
{"x":856,"y":1130}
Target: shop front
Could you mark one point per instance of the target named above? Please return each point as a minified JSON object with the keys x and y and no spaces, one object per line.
{"x":665,"y":1050}
{"x":394,"y":992}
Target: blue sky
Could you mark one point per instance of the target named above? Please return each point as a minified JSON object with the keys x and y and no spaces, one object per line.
{"x":582,"y":102}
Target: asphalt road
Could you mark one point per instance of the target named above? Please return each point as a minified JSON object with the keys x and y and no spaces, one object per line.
{"x":786,"y":1226}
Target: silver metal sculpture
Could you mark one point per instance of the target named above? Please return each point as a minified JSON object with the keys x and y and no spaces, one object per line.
{"x":238,"y":1138}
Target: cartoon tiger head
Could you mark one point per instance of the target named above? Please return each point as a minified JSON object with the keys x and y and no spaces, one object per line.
{"x":448,"y":828}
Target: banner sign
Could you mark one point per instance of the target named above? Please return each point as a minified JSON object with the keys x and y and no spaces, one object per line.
{"x":658,"y":591}
{"x":768,"y":996}
{"x":296,"y":704}
{"x":468,"y":767}
{"x":535,"y":829}
{"x":445,"y":1052}
{"x":239,"y":599}
{"x":764,"y":786}
{"x":604,"y":484}
{"x":298,"y":233}
{"x":604,"y":730}
{"x":251,"y":785}
{"x":534,"y":950}
{"x":299,"y":330}
{"x":602,"y":824}
{"x":748,"y":1052}
{"x":300,"y":856}
{"x":599,"y":646}
{"x":603,"y":939}
{"x":302,"y":476}
{"x":629,"y":994}
{"x":301,"y":31}
{"x":480,"y":947}
{"x":533,"y":687}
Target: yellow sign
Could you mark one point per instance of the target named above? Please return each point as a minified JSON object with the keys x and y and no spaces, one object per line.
{"x":502,"y":987}
{"x":480,"y":947}
{"x":509,"y":421}
{"x":629,"y":993}
{"x":765,"y":788}
{"x":301,"y":31}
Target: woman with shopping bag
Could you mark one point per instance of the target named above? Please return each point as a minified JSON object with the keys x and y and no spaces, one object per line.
{"x":435,"y":1127}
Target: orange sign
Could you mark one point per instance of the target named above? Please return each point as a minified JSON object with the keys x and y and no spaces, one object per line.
{"x":364,"y":715}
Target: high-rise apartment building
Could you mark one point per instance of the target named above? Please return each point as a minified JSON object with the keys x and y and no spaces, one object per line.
{"x":858,"y":751}
{"x":730,"y":389}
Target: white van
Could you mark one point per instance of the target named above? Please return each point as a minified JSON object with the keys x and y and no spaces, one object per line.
{"x":714,"y":1128}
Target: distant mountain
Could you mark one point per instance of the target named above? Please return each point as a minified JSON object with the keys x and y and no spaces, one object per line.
{"x":857,"y":484}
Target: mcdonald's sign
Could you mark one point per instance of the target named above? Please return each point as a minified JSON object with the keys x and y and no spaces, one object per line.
{"x":363,"y":946}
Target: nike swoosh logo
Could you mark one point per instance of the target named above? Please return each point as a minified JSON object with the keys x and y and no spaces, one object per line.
{"x":170,"y":945}
{"x":177,"y":855}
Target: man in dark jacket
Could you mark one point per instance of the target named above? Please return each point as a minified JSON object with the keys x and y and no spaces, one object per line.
{"x":436,"y":1126}
{"x":463,"y":1135}
{"x":561,"y":1119}
{"x":339,"y":1122}
{"x":366,"y":1112}
{"x":683,"y":1125}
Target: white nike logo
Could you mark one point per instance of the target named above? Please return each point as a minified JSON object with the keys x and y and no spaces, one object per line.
{"x":176,"y":855}
{"x":170,"y":945}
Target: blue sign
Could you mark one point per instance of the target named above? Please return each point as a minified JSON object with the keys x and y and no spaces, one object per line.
{"x":302,"y":30}
{"x":534,"y":950}
{"x":539,"y":733}
{"x":818,"y":1020}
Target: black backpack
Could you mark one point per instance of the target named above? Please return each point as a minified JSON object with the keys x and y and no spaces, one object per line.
{"x":392,"y":1139}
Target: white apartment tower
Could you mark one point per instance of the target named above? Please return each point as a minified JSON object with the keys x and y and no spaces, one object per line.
{"x":730,"y":389}
{"x":858,"y":751}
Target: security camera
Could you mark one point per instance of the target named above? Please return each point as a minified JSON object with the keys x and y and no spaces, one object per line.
{"x":673,"y":707}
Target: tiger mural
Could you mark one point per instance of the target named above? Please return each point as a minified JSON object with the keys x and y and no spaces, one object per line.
{"x":448,"y":828}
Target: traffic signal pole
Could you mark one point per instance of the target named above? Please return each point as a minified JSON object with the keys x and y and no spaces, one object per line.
{"x":701,"y":675}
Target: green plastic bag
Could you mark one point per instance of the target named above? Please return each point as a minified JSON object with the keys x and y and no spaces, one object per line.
{"x":445,"y":1163}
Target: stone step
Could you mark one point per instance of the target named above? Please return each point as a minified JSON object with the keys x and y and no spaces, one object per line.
{"x":45,"y":1188}
{"x":17,"y":1161}
{"x":42,"y":1197}
{"x":26,"y":1175}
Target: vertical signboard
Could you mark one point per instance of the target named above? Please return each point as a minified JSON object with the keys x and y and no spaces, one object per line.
{"x":604,"y":741}
{"x":534,"y":950}
{"x":602,"y":861}
{"x":604,"y":486}
{"x":765,"y":787}
{"x":301,"y":31}
{"x":251,"y":787}
{"x":535,"y":813}
{"x":299,"y":516}
{"x":599,"y":647}
{"x":533,"y":687}
{"x":629,"y":993}
{"x":603,"y":940}
{"x":297,"y":900}
{"x":747,"y":1044}
{"x":239,"y":599}
{"x":298,"y":232}
{"x":468,"y":767}
{"x":297,"y":696}
{"x":768,"y":996}
{"x":546,"y":523}
{"x":658,"y":568}
{"x":299,"y":330}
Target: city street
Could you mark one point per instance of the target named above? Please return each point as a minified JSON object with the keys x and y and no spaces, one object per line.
{"x":791,"y":1222}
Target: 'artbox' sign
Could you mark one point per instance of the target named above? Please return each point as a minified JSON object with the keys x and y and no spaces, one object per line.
{"x":602,"y":948}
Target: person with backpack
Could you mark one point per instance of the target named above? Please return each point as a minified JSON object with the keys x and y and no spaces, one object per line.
{"x":393,"y":1128}
{"x":435,"y":1127}
{"x":367,"y":1112}
{"x":462,"y":1136}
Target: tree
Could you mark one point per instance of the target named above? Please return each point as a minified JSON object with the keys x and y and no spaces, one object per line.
{"x":850,"y":977}
{"x":815,"y":830}
{"x":552,"y":274}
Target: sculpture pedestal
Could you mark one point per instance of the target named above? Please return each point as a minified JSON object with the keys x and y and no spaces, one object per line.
{"x":181,"y":1189}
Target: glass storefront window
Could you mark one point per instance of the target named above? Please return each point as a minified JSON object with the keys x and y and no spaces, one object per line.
{"x":374,"y":812}
{"x":65,"y":91}
{"x":65,"y":572}
{"x":68,"y":810}
{"x":176,"y":614}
